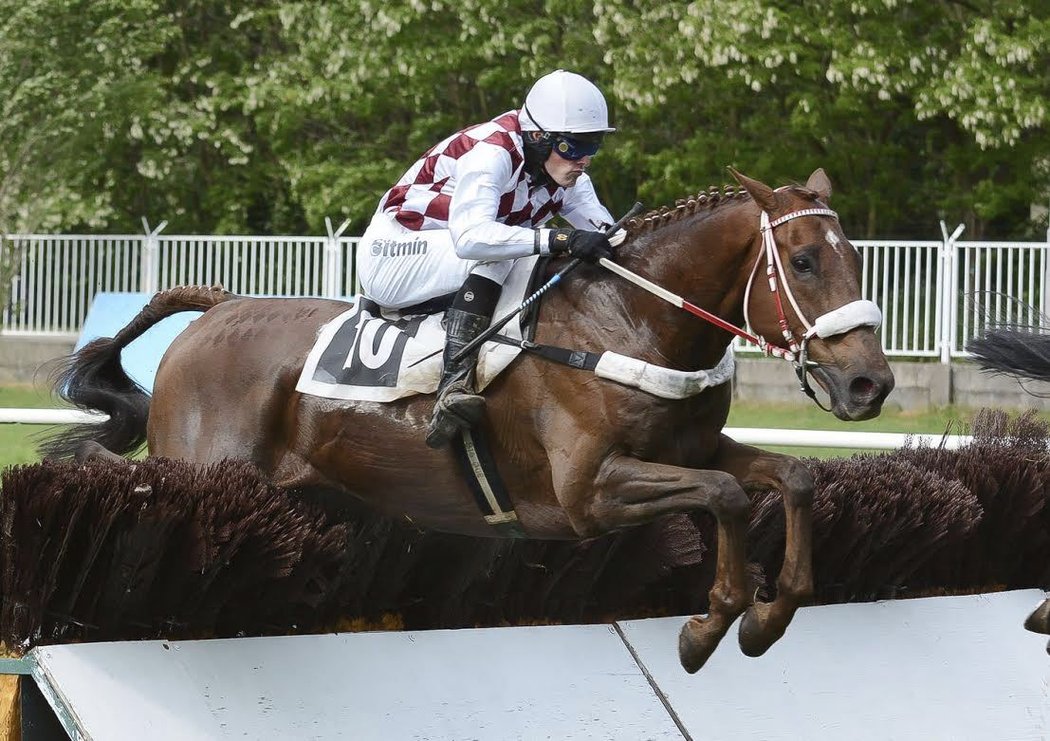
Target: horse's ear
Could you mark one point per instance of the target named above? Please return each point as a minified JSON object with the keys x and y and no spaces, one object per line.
{"x":764,"y":196}
{"x":818,"y":183}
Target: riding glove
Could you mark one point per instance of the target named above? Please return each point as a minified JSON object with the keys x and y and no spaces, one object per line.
{"x":586,"y":245}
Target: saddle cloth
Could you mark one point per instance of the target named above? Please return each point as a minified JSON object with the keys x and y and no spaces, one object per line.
{"x":372,"y":354}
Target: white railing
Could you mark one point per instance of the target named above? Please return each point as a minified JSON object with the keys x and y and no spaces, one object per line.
{"x":55,"y":277}
{"x":935,"y":295}
{"x":904,"y":279}
{"x":997,"y":280}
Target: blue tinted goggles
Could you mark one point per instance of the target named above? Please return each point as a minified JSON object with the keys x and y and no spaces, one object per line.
{"x":574,"y":149}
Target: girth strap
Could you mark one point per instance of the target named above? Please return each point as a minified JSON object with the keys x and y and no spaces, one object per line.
{"x":657,"y":380}
{"x":573,"y":358}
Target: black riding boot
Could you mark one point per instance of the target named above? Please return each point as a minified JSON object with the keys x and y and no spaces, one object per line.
{"x":458,"y":406}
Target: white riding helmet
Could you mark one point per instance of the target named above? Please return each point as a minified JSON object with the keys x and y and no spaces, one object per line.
{"x":565,"y":102}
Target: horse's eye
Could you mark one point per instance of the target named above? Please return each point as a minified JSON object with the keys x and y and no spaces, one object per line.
{"x":802,"y":264}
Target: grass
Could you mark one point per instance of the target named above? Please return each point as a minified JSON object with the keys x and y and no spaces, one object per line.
{"x":18,"y":441}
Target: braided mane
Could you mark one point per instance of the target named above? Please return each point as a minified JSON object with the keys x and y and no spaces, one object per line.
{"x":707,"y":200}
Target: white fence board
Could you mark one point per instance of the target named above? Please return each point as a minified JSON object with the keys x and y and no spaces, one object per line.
{"x":936,"y":668}
{"x":557,"y":682}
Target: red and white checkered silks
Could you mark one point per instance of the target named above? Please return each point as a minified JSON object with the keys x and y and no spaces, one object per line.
{"x":420,"y":199}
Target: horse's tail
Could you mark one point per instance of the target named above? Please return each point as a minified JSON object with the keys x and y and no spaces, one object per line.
{"x":1014,"y":349}
{"x":94,"y":380}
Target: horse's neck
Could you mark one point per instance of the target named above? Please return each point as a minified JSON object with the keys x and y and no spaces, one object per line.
{"x":704,"y":258}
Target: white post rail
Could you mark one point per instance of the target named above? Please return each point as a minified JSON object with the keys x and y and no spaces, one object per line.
{"x":746,"y":435}
{"x":149,"y":267}
{"x":842,"y":439}
{"x":332,"y":262}
{"x":1045,"y":306}
{"x":49,"y":416}
{"x":947,"y":289}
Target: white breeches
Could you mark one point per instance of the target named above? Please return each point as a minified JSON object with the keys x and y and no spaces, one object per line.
{"x":399,"y":267}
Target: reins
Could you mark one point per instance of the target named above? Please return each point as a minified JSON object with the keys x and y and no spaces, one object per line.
{"x":675,"y":300}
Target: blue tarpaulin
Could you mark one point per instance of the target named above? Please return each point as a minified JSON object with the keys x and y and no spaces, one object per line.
{"x":110,"y":312}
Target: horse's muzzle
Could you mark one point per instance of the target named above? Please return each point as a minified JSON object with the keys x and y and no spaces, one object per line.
{"x":855,"y":396}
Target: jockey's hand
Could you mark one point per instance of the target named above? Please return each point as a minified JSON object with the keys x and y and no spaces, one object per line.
{"x":586,"y":245}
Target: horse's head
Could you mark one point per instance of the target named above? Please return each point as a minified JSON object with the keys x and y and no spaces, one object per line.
{"x":806,"y":277}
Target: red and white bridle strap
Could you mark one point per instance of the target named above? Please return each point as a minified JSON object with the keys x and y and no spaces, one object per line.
{"x":838,"y":321}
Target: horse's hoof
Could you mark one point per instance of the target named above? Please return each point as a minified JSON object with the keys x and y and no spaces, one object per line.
{"x":697,"y":641}
{"x":1039,"y":620}
{"x":757,"y":632}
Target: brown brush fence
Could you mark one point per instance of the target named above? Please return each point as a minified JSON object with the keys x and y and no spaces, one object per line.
{"x":160,"y":548}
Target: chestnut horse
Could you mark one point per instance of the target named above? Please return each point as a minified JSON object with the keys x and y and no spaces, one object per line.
{"x":584,"y":456}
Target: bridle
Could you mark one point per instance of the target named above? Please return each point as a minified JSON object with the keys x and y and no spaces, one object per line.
{"x":859,"y":313}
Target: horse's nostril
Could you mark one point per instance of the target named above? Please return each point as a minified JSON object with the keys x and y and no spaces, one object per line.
{"x":863,"y":387}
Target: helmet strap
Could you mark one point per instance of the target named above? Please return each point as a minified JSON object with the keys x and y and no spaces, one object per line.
{"x":538,"y":146}
{"x":525,"y":107}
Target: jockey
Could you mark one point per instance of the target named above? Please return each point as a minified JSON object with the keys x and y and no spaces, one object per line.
{"x":456,"y":221}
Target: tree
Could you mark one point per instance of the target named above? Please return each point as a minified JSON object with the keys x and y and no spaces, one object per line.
{"x":270,"y":117}
{"x":68,"y":70}
{"x":918,"y":107}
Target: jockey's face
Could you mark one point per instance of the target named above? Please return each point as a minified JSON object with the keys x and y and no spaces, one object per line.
{"x":565,"y":172}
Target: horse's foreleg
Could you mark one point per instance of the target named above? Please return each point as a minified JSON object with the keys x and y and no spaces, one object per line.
{"x":631,"y":492}
{"x":765,"y":622}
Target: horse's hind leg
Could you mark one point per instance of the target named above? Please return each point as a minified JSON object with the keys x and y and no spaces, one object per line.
{"x":632,"y":492}
{"x":765,"y":622}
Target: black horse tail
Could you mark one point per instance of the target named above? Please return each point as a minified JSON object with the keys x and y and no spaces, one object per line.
{"x":1021,"y":350}
{"x":94,"y":380}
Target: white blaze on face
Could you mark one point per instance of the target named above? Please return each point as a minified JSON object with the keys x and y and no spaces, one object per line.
{"x":833,"y":239}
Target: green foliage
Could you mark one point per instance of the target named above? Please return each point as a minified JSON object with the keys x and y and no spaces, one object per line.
{"x":269,"y":117}
{"x":917,"y":109}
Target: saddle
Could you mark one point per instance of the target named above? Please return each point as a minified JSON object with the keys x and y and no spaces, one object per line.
{"x":372,"y":354}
